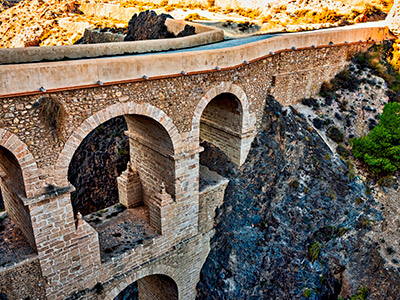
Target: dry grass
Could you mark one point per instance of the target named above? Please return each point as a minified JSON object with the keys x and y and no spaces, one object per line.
{"x":53,"y":115}
{"x":383,"y":5}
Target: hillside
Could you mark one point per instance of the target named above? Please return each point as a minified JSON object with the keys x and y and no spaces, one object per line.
{"x":57,"y":22}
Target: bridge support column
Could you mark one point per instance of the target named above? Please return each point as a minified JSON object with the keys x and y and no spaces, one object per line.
{"x":68,"y":252}
{"x":130,"y":188}
{"x":162,"y":211}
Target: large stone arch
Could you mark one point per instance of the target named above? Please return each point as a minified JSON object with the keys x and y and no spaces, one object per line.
{"x":120,"y":109}
{"x":30,"y":171}
{"x":235,"y":142}
{"x":148,"y":271}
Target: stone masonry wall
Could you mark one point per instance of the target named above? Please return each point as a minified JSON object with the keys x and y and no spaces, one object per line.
{"x":210,"y":198}
{"x":12,"y":189}
{"x":11,"y":172}
{"x":224,"y":110}
{"x":225,"y":140}
{"x":67,"y":258}
{"x":181,"y":263}
{"x":177,"y":97}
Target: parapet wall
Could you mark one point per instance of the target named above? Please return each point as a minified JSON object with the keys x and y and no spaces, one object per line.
{"x":28,"y":78}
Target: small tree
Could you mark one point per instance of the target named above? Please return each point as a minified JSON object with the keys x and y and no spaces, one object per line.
{"x":380,"y":149}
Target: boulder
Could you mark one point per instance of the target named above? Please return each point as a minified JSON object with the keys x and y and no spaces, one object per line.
{"x":150,"y":26}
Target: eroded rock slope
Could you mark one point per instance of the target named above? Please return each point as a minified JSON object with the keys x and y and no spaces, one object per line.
{"x":293,"y":224}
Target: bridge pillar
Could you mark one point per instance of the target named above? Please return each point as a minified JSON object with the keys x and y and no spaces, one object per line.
{"x":130,"y":188}
{"x":68,"y":251}
{"x":162,"y":211}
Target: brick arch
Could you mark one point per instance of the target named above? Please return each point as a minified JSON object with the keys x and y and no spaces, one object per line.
{"x":223,"y":87}
{"x":116,"y":110}
{"x":30,"y":171}
{"x":148,"y":271}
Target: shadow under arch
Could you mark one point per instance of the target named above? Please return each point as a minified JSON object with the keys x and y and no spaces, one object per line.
{"x":167,"y":274}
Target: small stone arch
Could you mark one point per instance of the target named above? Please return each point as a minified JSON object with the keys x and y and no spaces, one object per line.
{"x":30,"y":171}
{"x":235,"y":142}
{"x":148,"y":271}
{"x":120,"y":109}
{"x":223,"y":87}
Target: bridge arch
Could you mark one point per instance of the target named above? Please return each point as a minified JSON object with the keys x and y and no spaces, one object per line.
{"x":222,"y":118}
{"x":148,"y":271}
{"x":30,"y":171}
{"x":15,"y":164}
{"x":222,"y":88}
{"x":120,"y":109}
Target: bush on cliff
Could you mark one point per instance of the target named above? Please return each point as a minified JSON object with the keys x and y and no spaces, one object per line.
{"x":384,"y":60}
{"x":380,"y":149}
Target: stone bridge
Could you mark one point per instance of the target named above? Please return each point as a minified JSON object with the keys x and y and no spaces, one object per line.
{"x":170,"y":102}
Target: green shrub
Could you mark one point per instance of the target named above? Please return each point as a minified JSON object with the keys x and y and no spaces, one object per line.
{"x":313,"y":251}
{"x":307,"y":293}
{"x":361,"y":294}
{"x":342,"y":151}
{"x":380,"y":149}
{"x":335,"y":134}
{"x":344,"y":80}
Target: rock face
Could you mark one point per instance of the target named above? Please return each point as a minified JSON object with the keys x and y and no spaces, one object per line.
{"x":150,"y":26}
{"x":97,"y":163}
{"x":293,"y":225}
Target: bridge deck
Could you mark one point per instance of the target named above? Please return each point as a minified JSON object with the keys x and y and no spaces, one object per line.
{"x":65,"y":75}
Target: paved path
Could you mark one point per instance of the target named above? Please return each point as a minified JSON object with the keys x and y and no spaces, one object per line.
{"x":229,"y":43}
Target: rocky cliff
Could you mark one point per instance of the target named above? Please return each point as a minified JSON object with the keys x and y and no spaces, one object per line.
{"x":295,"y":223}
